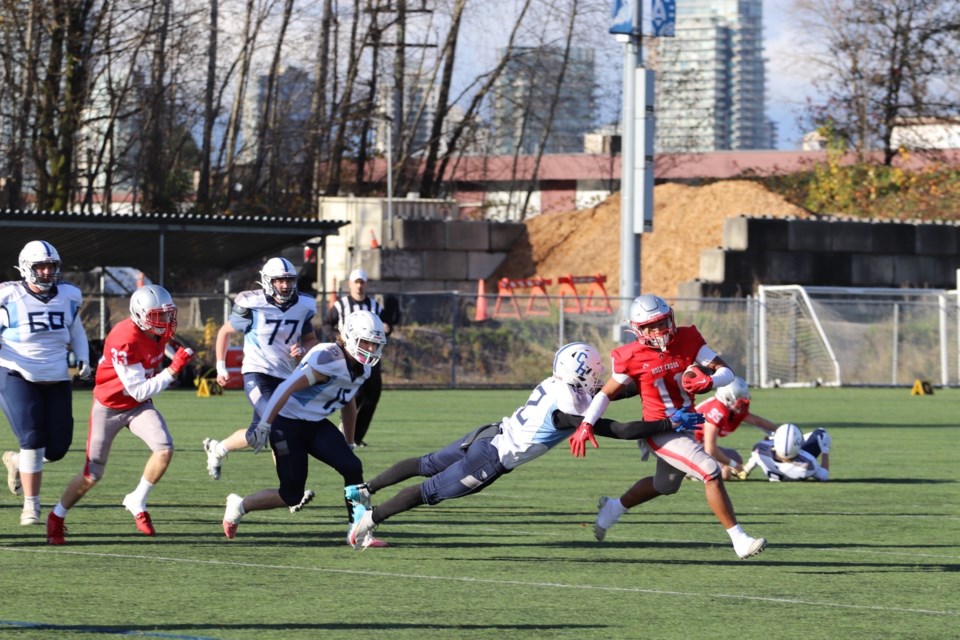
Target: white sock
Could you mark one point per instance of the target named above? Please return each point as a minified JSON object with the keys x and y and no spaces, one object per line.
{"x":60,"y":511}
{"x":610,"y":513}
{"x":221,"y":449}
{"x":736,"y":534}
{"x":31,"y":503}
{"x":139,"y":495}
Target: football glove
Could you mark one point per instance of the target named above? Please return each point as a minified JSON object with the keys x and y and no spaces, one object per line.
{"x":824,"y":440}
{"x":258,"y":436}
{"x":683,"y":420}
{"x":84,"y":371}
{"x":578,"y":441}
{"x":180,"y":359}
{"x":695,"y":381}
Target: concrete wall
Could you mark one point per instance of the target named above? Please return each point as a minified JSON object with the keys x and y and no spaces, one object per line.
{"x":827,"y":252}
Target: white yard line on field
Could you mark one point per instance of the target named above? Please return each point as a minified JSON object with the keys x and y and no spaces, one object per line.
{"x":467,"y":579}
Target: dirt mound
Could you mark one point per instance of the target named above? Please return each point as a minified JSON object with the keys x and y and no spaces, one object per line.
{"x":685,"y":220}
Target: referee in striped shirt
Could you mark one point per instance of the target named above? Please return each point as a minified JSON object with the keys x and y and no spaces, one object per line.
{"x":369,"y":394}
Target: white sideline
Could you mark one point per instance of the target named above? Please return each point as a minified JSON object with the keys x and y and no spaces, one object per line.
{"x":466,"y":579}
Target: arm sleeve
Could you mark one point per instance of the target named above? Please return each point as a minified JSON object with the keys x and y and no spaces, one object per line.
{"x":78,"y":340}
{"x":137,"y":384}
{"x":612,"y":429}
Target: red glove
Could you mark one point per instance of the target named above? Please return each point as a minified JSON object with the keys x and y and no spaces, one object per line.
{"x":695,"y":381}
{"x":578,"y":441}
{"x":180,"y":359}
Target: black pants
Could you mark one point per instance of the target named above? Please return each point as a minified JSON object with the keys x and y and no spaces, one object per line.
{"x":367,"y":398}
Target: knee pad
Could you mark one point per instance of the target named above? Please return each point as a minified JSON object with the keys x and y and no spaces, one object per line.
{"x":31,"y":460}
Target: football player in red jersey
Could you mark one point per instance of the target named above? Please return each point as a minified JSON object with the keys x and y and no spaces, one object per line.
{"x":669,"y":365}
{"x":128,"y":376}
{"x":724,"y":412}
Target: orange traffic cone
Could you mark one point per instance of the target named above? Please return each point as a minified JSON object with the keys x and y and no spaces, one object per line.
{"x":481,"y":301}
{"x":373,"y":240}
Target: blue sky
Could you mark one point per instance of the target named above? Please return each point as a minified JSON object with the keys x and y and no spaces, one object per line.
{"x":788,"y":77}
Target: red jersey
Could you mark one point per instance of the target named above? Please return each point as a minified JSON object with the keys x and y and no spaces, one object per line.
{"x":658,"y":373}
{"x":126,"y":345}
{"x":725,"y":419}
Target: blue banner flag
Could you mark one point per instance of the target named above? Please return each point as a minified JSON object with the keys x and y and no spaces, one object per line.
{"x":621,"y":20}
{"x":663,"y":18}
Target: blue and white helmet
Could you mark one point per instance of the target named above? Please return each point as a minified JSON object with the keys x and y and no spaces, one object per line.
{"x":34,"y":253}
{"x":278,"y":269}
{"x":579,"y":365}
{"x":787,"y":440}
{"x":363,"y":326}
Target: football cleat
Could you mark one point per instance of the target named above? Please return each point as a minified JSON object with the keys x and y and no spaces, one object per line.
{"x":214,"y":459}
{"x":376,"y":543}
{"x":362,"y":527}
{"x":232,"y":515}
{"x":56,"y":529}
{"x":357,"y":494}
{"x":608,"y":519}
{"x":29,"y":517}
{"x":308,"y":496}
{"x":13,"y":473}
{"x":750,"y":547}
{"x":144,"y":525}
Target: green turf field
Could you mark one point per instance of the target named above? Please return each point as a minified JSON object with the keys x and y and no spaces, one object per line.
{"x":874,"y":553}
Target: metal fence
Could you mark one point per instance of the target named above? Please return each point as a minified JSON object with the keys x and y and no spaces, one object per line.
{"x":442,"y":342}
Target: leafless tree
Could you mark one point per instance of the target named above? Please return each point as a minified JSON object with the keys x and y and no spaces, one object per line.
{"x":882,"y":61}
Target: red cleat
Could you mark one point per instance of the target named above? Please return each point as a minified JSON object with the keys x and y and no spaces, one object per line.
{"x":230,"y":529}
{"x":144,"y":525}
{"x":56,"y":529}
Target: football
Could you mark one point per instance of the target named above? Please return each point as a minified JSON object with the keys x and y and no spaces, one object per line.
{"x":694,"y":370}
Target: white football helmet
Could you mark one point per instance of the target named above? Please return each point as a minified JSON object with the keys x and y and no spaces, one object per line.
{"x":735,"y":395}
{"x":152,"y":309}
{"x":33,"y":254}
{"x":365,"y":326}
{"x":787,"y":440}
{"x":579,"y":365}
{"x":278,"y":269}
{"x":649,"y":309}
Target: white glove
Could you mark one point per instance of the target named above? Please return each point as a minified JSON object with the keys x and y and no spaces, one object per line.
{"x":84,"y":372}
{"x":258,"y":436}
{"x":824,"y":440}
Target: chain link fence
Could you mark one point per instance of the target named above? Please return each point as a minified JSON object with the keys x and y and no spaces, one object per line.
{"x":443,"y":340}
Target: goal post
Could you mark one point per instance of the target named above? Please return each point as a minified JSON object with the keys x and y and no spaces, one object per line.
{"x":793,"y":347}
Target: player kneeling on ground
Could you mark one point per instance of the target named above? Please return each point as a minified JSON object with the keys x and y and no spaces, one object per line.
{"x":792,"y":455}
{"x":127,"y":379}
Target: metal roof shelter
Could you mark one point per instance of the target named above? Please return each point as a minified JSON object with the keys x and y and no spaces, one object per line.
{"x":158,"y":242}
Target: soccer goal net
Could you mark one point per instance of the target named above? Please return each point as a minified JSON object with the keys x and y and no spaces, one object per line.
{"x":855,"y":336}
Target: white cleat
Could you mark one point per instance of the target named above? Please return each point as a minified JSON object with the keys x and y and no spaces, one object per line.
{"x":751,"y":547}
{"x":214,"y":459}
{"x":232,"y":515}
{"x":29,"y":517}
{"x":361,"y":531}
{"x":308,"y":496}
{"x":607,"y":516}
{"x":13,"y":473}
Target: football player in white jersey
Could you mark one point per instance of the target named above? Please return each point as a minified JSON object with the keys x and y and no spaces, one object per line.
{"x":39,"y":323}
{"x":276,"y":323}
{"x":326,"y":381}
{"x":476,"y":460}
{"x":792,"y":455}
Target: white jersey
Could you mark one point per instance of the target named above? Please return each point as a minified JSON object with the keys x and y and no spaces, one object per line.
{"x":530,"y":432}
{"x":269,"y":329}
{"x":37,"y":331}
{"x":323,"y":398}
{"x":802,"y":467}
